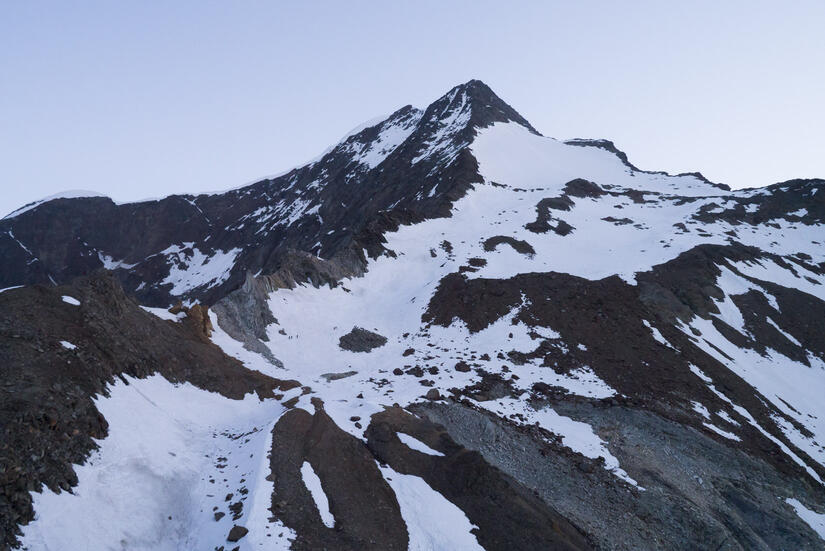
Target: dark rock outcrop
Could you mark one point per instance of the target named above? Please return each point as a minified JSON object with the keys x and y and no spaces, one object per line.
{"x":363,"y":505}
{"x":361,"y":340}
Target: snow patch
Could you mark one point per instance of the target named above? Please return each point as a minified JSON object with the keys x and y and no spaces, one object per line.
{"x":189,"y":271}
{"x":813,"y":519}
{"x":392,"y":134}
{"x":657,"y":335}
{"x":111,"y":264}
{"x":164,"y":314}
{"x":417,"y":445}
{"x":717,"y":430}
{"x":784,"y":333}
{"x":700,"y":409}
{"x":313,"y":484}
{"x":433,"y":522}
{"x":10,"y":288}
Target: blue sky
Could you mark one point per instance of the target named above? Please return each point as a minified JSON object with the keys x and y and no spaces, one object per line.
{"x":145,"y":99}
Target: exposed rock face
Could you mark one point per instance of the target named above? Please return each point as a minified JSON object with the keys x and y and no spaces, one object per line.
{"x":197,"y":317}
{"x":509,"y":515}
{"x":363,"y":505}
{"x":244,"y":314}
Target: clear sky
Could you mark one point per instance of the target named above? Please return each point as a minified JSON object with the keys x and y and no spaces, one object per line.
{"x":148,"y":98}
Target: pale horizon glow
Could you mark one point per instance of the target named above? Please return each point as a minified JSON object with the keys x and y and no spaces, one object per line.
{"x":144,"y":100}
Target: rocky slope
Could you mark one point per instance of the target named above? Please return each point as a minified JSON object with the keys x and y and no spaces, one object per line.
{"x":460,"y":335}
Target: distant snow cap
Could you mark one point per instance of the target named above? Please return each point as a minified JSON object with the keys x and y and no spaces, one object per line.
{"x":70,"y":194}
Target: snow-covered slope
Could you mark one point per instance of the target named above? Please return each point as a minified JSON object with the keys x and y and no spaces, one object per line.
{"x":535,"y":345}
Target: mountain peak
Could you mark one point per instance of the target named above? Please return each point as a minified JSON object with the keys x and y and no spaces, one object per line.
{"x":485,"y":106}
{"x":449,"y":124}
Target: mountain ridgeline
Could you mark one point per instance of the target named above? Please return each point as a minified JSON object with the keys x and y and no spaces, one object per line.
{"x":447,"y":332}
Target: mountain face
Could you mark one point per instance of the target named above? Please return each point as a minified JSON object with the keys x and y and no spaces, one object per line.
{"x":448,"y":332}
{"x":199,"y":247}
